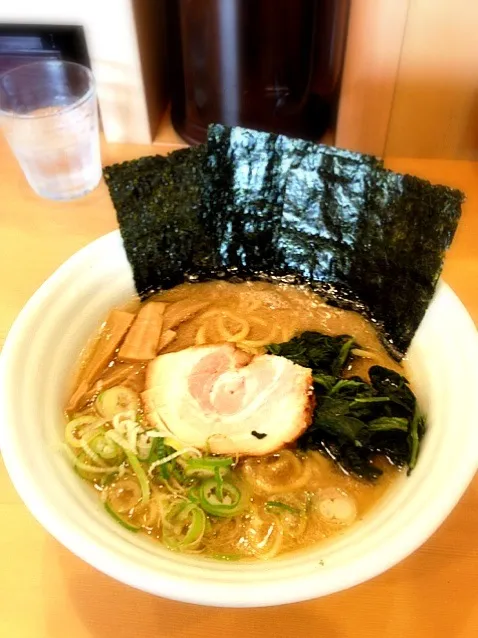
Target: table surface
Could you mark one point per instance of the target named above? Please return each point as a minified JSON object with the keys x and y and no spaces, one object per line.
{"x":46,"y":592}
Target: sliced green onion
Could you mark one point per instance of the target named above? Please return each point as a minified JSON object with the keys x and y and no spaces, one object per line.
{"x":97,"y":460}
{"x":185,"y":524}
{"x":231,"y":503}
{"x":90,"y":472}
{"x":226,"y":557}
{"x":283,"y":506}
{"x":196,"y":528}
{"x":200,"y":474}
{"x":76,"y":429}
{"x":208,"y":525}
{"x":116,"y":400}
{"x":164,"y":470}
{"x":124,"y":494}
{"x":105,"y":447}
{"x":120,"y":520}
{"x":83,"y":466}
{"x":170,"y":457}
{"x":177,"y":472}
{"x":156,"y":451}
{"x":141,"y":476}
{"x":193,"y":494}
{"x":211,"y":462}
{"x":219,"y":482}
{"x":206,"y":466}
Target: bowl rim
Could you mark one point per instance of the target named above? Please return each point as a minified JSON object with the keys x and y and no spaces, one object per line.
{"x":210,"y":593}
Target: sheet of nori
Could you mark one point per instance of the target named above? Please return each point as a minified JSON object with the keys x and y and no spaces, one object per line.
{"x":256,"y":181}
{"x":258,"y":205}
{"x":157,"y":200}
{"x":364,"y":237}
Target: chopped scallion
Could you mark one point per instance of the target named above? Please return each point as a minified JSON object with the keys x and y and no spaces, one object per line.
{"x":141,"y":476}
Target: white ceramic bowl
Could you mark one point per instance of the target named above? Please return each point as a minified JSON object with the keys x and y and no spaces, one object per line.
{"x":35,"y":365}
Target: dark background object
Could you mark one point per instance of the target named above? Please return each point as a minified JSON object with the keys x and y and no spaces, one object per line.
{"x":274,"y":65}
{"x":22,"y":44}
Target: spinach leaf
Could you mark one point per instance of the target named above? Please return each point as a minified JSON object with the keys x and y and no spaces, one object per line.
{"x":344,"y":428}
{"x":349,"y":388}
{"x":324,"y":354}
{"x":384,"y":423}
{"x":324,"y":381}
{"x":417,"y":428}
{"x":391,"y":384}
{"x":353,"y":459}
{"x":354,"y":421}
{"x":342,"y":357}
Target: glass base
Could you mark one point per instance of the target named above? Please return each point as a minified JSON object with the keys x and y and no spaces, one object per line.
{"x":66,"y":196}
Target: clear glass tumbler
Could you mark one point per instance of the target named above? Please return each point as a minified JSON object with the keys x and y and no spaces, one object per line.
{"x":49,"y":114}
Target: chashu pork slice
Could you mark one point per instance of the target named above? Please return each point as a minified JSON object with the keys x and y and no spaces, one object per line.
{"x":222,"y":398}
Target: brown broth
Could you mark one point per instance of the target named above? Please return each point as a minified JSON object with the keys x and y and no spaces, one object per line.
{"x":273,"y":313}
{"x":292,"y":309}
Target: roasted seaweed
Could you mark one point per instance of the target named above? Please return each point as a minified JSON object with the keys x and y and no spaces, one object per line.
{"x":257,"y":181}
{"x":258,"y":205}
{"x":157,"y":200}
{"x":364,"y":237}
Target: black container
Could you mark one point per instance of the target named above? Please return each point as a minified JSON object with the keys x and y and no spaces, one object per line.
{"x":273,"y":65}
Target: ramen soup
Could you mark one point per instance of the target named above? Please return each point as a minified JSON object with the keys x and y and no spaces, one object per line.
{"x":189,"y":425}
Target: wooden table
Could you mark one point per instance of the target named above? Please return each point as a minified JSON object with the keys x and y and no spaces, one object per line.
{"x":46,"y":592}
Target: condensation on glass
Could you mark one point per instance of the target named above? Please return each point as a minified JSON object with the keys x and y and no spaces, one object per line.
{"x":49,"y":113}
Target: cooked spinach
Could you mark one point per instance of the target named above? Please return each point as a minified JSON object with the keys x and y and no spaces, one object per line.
{"x":324,"y":354}
{"x":354,"y":421}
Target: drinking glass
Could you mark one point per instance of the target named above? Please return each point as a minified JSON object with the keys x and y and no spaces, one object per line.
{"x":49,"y":113}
